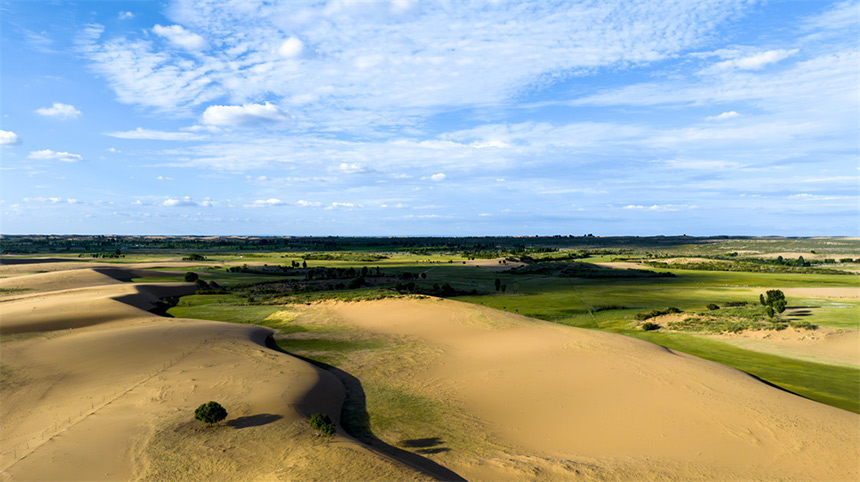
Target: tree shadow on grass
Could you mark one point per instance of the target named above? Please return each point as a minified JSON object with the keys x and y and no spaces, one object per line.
{"x":356,"y":421}
{"x":253,"y":420}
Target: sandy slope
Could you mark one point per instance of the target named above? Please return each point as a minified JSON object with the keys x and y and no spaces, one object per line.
{"x":112,"y":398}
{"x":825,"y":345}
{"x":565,"y":403}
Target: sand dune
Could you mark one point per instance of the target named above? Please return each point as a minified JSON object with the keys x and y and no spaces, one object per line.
{"x":96,"y":389}
{"x":562,"y":402}
{"x":113,"y":398}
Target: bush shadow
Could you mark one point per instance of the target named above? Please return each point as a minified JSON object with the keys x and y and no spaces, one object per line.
{"x":253,"y":420}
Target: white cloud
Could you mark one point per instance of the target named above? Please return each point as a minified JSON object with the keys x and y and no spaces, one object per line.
{"x":178,"y":36}
{"x":348,"y":168}
{"x":113,"y":150}
{"x":124,"y":15}
{"x":724,"y":116}
{"x":164,"y":178}
{"x":179,"y":202}
{"x":267,"y":202}
{"x":660,"y":207}
{"x":49,"y":155}
{"x":292,"y":47}
{"x":308,"y":204}
{"x":756,"y":61}
{"x":51,"y":200}
{"x":149,"y":134}
{"x":421,"y":57}
{"x":59,"y":111}
{"x":438,"y":177}
{"x":9,"y":138}
{"x":234,"y":115}
{"x":336,"y":205}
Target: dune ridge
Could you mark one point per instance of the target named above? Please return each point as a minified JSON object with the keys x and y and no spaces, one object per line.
{"x":95,"y":388}
{"x":566,"y":403}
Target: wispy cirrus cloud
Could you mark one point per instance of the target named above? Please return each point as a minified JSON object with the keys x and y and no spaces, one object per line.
{"x":179,"y":37}
{"x":413,"y":65}
{"x":149,"y":134}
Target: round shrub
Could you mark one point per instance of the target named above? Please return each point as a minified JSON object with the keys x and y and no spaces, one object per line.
{"x":210,"y":412}
{"x":712,"y":306}
{"x":191,"y":277}
{"x":322,"y":424}
{"x":649,"y":326}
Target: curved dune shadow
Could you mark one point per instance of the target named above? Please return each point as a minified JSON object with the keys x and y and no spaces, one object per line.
{"x":356,"y":422}
{"x":254,"y":420}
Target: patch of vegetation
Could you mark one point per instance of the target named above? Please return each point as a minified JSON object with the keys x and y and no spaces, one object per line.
{"x":751,"y":266}
{"x":585,"y":270}
{"x":322,"y":424}
{"x":650,"y":326}
{"x":194,"y":257}
{"x":190,"y":277}
{"x":210,"y":413}
{"x":598,"y":308}
{"x":655,"y":313}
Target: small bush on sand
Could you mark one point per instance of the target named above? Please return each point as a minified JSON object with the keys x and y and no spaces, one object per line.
{"x":648,"y":326}
{"x":210,"y":412}
{"x":322,"y":424}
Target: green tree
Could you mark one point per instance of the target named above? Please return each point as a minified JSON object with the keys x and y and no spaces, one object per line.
{"x":773,"y":301}
{"x":322,"y":424}
{"x":191,"y":277}
{"x":210,"y":413}
{"x":498,"y":284}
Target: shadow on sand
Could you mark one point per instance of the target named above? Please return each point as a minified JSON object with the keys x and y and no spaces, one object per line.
{"x":253,"y":420}
{"x":355,"y":420}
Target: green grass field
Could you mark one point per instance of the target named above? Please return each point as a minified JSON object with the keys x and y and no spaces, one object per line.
{"x":606,"y":304}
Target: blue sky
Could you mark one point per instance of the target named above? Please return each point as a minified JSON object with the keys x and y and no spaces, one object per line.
{"x":698,"y":117}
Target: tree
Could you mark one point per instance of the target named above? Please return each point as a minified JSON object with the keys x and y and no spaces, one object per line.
{"x":304,"y":264}
{"x":498,"y":284}
{"x":191,"y":277}
{"x":202,"y":284}
{"x":773,"y":301}
{"x":322,"y":424}
{"x":210,"y":413}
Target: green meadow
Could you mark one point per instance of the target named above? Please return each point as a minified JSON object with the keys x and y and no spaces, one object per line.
{"x":559,"y":283}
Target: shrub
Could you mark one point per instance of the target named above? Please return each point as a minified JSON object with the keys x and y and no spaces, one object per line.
{"x":201,"y":284}
{"x":712,"y":306}
{"x":735,"y":303}
{"x":191,"y":277}
{"x":804,"y":325}
{"x":655,"y":313}
{"x":210,"y":412}
{"x":648,"y":326}
{"x":322,"y":424}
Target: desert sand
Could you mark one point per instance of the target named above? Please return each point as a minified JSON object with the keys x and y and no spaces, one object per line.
{"x":96,"y":388}
{"x":565,"y":403}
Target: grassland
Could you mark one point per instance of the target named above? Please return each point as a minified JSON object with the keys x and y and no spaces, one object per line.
{"x":602,"y":303}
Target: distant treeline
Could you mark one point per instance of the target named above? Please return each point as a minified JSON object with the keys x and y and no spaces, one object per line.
{"x":476,"y":247}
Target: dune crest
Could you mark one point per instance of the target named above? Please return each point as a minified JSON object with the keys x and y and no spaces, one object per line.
{"x":97,"y":389}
